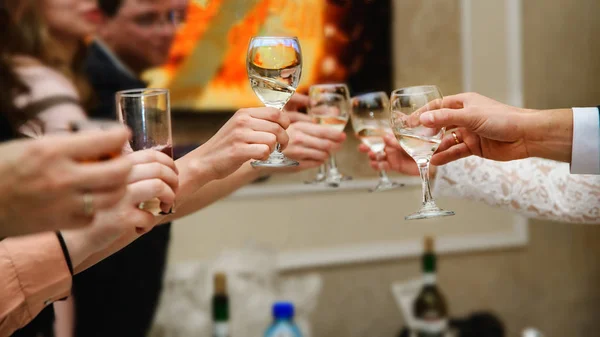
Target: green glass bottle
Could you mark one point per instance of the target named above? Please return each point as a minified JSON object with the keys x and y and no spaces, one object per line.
{"x":429,"y":308}
{"x":220,"y":306}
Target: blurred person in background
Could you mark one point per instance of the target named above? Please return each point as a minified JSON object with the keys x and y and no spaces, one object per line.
{"x":135,"y":36}
{"x":36,"y":270}
{"x":487,"y":132}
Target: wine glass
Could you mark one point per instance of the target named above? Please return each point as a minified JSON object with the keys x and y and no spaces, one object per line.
{"x":370,"y":117}
{"x":274,"y":67}
{"x":418,"y":141}
{"x":332,"y":175}
{"x":331,"y":110}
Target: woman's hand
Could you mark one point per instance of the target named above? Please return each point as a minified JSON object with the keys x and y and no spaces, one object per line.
{"x":154,"y":176}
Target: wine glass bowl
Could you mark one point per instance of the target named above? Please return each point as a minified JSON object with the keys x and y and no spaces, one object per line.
{"x":337,"y":94}
{"x":420,"y":142}
{"x":370,"y":117}
{"x":274,"y":66}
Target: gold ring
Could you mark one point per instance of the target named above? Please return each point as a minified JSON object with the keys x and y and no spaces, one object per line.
{"x":455,"y":137}
{"x":88,"y":204}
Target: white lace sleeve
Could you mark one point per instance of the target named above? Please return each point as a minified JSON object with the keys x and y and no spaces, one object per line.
{"x":536,"y":187}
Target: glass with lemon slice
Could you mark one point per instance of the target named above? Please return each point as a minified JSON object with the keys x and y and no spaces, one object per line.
{"x":274,"y":67}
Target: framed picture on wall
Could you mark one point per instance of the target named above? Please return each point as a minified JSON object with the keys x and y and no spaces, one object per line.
{"x":342,"y":41}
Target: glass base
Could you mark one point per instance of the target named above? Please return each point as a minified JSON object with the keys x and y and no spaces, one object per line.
{"x":386,"y":186}
{"x":335,"y":178}
{"x":429,"y":211}
{"x":276,"y":159}
{"x":318,"y":179}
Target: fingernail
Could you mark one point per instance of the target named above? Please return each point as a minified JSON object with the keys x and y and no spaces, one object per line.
{"x":427,"y":117}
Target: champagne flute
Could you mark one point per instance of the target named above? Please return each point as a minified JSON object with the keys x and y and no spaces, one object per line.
{"x":274,"y":67}
{"x":331,"y":172}
{"x":331,"y":110}
{"x":370,"y":116}
{"x":417,"y":140}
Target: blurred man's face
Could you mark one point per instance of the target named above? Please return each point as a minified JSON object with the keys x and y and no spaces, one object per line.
{"x":142,"y":31}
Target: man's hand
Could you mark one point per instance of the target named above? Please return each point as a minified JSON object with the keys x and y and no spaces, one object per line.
{"x":489,"y":129}
{"x":45,"y":182}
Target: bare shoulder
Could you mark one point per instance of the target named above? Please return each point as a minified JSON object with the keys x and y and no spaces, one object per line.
{"x":43,"y":82}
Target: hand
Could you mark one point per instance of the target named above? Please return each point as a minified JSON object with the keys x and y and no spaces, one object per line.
{"x":249,"y":134}
{"x":490,"y":129}
{"x":154,"y":175}
{"x":297,"y":103}
{"x":310,"y":144}
{"x":44,"y":181}
{"x":394,"y":158}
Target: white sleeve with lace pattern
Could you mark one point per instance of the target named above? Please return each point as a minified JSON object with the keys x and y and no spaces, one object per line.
{"x":535,"y":187}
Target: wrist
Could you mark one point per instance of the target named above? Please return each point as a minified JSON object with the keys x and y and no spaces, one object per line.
{"x":549,"y":134}
{"x":77,"y":245}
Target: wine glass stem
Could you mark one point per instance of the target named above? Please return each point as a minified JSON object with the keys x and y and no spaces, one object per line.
{"x":383,"y":177}
{"x":332,"y":163}
{"x":424,"y":172}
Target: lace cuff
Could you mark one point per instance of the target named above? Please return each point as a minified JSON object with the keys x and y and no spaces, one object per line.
{"x":535,"y":187}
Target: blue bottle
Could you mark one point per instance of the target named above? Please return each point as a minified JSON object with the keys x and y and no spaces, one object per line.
{"x":283,"y":321}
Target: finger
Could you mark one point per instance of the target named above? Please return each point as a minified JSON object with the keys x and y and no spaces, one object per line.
{"x":152,"y":171}
{"x":453,"y":153}
{"x":308,"y":141}
{"x":363,"y":148}
{"x":304,"y":153}
{"x":296,"y":117}
{"x":380,"y":165}
{"x":152,"y":156}
{"x":104,"y":175}
{"x":321,"y":131}
{"x":391,"y":142}
{"x":448,"y":141}
{"x":456,"y":101}
{"x":92,"y":144}
{"x":145,"y":190}
{"x":259,"y":137}
{"x":270,"y":114}
{"x":260,"y":125}
{"x":446,"y":117}
{"x":297,"y":102}
{"x":257,"y":151}
{"x":99,"y":201}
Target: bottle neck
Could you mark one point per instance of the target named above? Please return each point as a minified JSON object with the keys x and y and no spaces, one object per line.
{"x":429,"y":270}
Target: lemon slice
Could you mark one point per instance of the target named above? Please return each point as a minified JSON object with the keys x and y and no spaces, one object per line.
{"x":275,"y":57}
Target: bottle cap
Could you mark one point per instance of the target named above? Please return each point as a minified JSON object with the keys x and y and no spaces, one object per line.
{"x":283,"y":310}
{"x":220,"y":283}
{"x":428,"y":244}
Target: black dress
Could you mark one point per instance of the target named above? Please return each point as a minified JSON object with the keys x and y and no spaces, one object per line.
{"x":119,"y":295}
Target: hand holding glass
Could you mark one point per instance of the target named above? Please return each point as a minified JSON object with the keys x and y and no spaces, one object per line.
{"x":370,"y":116}
{"x":147,"y":112}
{"x":417,"y":140}
{"x":274,"y":67}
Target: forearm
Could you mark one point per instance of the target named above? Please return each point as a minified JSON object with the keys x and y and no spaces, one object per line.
{"x":213,"y":191}
{"x":549,"y":134}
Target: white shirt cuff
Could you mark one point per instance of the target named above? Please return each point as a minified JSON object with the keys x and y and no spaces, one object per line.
{"x":585,"y":157}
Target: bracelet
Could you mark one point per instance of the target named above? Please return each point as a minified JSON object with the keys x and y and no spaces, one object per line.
{"x":63,"y":245}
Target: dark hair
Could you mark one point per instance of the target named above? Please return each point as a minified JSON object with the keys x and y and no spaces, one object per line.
{"x":11,"y":85}
{"x":110,"y":8}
